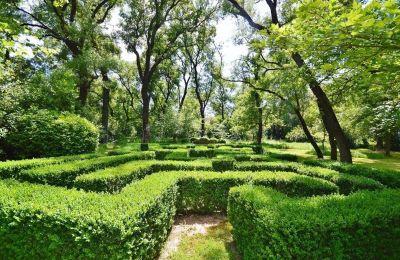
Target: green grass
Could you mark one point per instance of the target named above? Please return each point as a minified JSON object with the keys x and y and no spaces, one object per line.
{"x":216,"y":244}
{"x":364,"y":157}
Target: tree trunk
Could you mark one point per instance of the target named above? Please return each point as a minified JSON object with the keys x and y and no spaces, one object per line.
{"x":83,"y":87}
{"x":145,"y":113}
{"x":379,"y":144}
{"x":330,"y":120}
{"x":388,"y":145}
{"x":259,"y":117}
{"x":308,"y":134}
{"x":333,"y":145}
{"x":105,"y":112}
{"x":203,"y":121}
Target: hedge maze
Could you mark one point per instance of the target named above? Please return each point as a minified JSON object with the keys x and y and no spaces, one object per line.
{"x":123,"y":206}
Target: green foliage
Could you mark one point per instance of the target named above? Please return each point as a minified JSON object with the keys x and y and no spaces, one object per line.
{"x":268,"y":224}
{"x":284,"y":156}
{"x":161,"y":154}
{"x":346,"y":182}
{"x":258,"y":149}
{"x":46,"y":222}
{"x":206,"y":192}
{"x":144,"y":147}
{"x":43,"y":133}
{"x":64,"y":174}
{"x":389,"y":178}
{"x":201,"y":153}
{"x":10,"y":169}
{"x":223,"y":164}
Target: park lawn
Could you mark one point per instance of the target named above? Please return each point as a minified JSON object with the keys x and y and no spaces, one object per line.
{"x":364,"y":157}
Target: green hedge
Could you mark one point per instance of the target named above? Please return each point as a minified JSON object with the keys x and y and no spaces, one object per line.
{"x":161,"y":154}
{"x":269,"y":225}
{"x":346,"y":182}
{"x":284,"y":156}
{"x":223,"y":164}
{"x":389,"y":178}
{"x":44,"y":222}
{"x":201,"y":153}
{"x":10,"y":169}
{"x":113,"y":179}
{"x":207,"y":192}
{"x":64,"y":174}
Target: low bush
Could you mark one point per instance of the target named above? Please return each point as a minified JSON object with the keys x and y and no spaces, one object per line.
{"x":43,"y":133}
{"x":223,"y":164}
{"x":346,"y":182}
{"x":144,"y":147}
{"x":117,"y":152}
{"x":389,"y":178}
{"x":44,"y":222}
{"x":209,"y":153}
{"x":207,"y":192}
{"x":64,"y":174}
{"x":113,"y":179}
{"x":258,"y":149}
{"x":284,"y":156}
{"x":10,"y":169}
{"x":270,"y":225}
{"x":242,"y":157}
{"x":161,"y":154}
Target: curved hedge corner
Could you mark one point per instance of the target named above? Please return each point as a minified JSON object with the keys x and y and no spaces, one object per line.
{"x":45,"y":134}
{"x":269,"y":225}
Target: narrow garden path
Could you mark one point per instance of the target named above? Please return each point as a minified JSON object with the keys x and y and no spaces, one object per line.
{"x":191,"y":232}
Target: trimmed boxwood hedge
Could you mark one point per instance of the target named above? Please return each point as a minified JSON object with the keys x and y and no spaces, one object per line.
{"x":207,"y":192}
{"x":201,"y":153}
{"x":161,"y":154}
{"x":389,"y":178}
{"x":270,"y":225}
{"x":10,"y":169}
{"x":40,"y":221}
{"x":64,"y":174}
{"x":346,"y":182}
{"x":44,"y":222}
{"x":223,"y":164}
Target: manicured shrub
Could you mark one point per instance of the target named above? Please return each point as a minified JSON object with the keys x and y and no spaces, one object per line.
{"x":144,"y":147}
{"x":117,"y":152}
{"x":346,"y":182}
{"x":284,"y":156}
{"x":242,"y":157}
{"x":269,"y":225}
{"x":190,"y":146}
{"x":207,"y":192}
{"x":389,"y":178}
{"x":258,"y":149}
{"x":44,"y":222}
{"x":45,"y":134}
{"x":223,"y":164}
{"x":201,"y":153}
{"x":10,"y":169}
{"x":201,"y":140}
{"x":161,"y":154}
{"x":64,"y":174}
{"x":113,"y":179}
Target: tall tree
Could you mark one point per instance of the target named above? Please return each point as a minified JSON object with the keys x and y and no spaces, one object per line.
{"x":151,"y":30}
{"x":328,"y":115}
{"x":72,"y":23}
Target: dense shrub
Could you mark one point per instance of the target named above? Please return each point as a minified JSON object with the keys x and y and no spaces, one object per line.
{"x":223,"y":164}
{"x":113,"y":179}
{"x":44,"y":134}
{"x":269,"y":225}
{"x":242,"y":157}
{"x":284,"y":156}
{"x":161,"y":154}
{"x":64,"y":174}
{"x":258,"y":149}
{"x":207,"y":192}
{"x":201,"y":153}
{"x":346,"y":182}
{"x":389,"y":178}
{"x":44,"y":222}
{"x":144,"y":147}
{"x":10,"y":169}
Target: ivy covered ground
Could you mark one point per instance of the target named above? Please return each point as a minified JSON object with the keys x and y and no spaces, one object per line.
{"x":121,"y":203}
